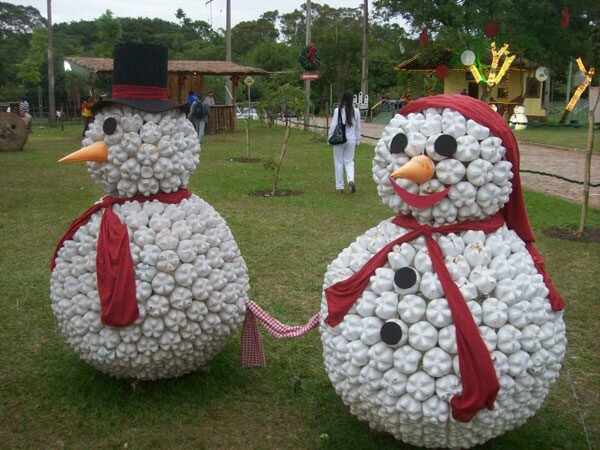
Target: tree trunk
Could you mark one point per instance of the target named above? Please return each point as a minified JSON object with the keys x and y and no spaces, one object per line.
{"x":247,"y":141}
{"x":564,"y":116}
{"x":587,"y":170}
{"x":485,"y":95}
{"x":286,"y":138}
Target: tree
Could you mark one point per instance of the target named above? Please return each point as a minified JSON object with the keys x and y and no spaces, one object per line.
{"x":108,"y":33}
{"x":180,"y":15}
{"x":16,"y":26}
{"x":29,"y":69}
{"x":245,"y":35}
{"x":531,"y":28}
{"x":595,"y":60}
{"x":289,"y":101}
{"x":19,"y":19}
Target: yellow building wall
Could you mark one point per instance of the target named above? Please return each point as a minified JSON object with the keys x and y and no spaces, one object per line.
{"x":456,"y":81}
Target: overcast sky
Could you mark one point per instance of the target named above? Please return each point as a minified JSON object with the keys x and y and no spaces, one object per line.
{"x":214,"y":13}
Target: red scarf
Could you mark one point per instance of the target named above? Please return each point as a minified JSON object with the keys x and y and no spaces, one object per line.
{"x":479,"y":381}
{"x":478,"y":376}
{"x":514,"y":212}
{"x":114,"y":266}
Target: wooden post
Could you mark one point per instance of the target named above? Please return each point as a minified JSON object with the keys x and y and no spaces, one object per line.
{"x":51,"y":98}
{"x":326,"y":119}
{"x":247,"y":141}
{"x":587,"y":170}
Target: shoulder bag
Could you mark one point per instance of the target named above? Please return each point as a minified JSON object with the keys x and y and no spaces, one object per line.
{"x":339,"y":133}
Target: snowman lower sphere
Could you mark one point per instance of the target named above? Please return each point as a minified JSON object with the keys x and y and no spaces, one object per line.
{"x":191,"y":285}
{"x":404,"y":386}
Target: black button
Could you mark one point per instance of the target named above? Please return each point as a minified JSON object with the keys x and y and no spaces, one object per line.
{"x":399,"y":143}
{"x":405,"y":277}
{"x":391,"y":333}
{"x":445,"y":145}
{"x":110,"y":125}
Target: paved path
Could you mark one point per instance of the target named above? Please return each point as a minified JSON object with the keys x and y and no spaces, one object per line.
{"x":568,"y":163}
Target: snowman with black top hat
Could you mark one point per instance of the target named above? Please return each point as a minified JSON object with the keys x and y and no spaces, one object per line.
{"x":441,"y":325}
{"x":149,"y":282}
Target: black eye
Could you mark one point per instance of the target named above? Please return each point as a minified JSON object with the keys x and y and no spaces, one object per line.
{"x":110,"y":125}
{"x":391,"y":333}
{"x":445,"y":145}
{"x":405,"y":278}
{"x":399,"y":143}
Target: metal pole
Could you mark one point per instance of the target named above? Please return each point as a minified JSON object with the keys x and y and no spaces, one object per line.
{"x":40,"y":108}
{"x":364,"y":80}
{"x":228,"y":52}
{"x":568,"y":94}
{"x":307,"y":82}
{"x":51,"y":101}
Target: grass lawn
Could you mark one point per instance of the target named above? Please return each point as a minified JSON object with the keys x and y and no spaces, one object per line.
{"x":561,"y":136}
{"x":51,"y":399}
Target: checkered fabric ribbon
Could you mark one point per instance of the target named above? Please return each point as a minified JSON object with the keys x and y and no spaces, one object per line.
{"x":253,"y":353}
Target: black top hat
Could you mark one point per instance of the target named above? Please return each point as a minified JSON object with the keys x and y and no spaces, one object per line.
{"x":140,"y":74}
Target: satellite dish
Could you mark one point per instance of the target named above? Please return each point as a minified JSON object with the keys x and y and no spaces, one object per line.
{"x":467,"y":57}
{"x":542,"y":73}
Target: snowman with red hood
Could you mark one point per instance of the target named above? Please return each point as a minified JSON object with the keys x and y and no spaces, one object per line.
{"x":440,"y":325}
{"x":149,"y":282}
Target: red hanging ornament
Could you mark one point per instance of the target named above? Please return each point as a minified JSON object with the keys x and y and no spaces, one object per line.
{"x":424,"y":38}
{"x":491,"y":30}
{"x":441,"y":71}
{"x":564,"y":18}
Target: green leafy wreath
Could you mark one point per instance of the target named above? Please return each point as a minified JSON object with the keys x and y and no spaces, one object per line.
{"x":310,"y":57}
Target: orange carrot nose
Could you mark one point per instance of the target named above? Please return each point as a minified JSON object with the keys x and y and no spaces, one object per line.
{"x":419,"y":169}
{"x":97,"y":152}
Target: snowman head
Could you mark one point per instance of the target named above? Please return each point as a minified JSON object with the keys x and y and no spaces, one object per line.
{"x":442,"y":165}
{"x":132,"y":152}
{"x":140,"y":142}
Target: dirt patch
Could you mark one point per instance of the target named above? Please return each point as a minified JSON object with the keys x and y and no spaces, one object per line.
{"x":246,"y":160}
{"x":570,"y":234}
{"x":279,"y":193}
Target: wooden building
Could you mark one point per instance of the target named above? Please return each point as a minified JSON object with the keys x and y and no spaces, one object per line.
{"x":185,"y":76}
{"x":518,"y":86}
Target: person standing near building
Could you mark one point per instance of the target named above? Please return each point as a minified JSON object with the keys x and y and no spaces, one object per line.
{"x":86,"y":113}
{"x":210,"y":99}
{"x":191,"y":98}
{"x":199,"y":115}
{"x":343,"y":154}
{"x":26,"y":118}
{"x":24,"y":105}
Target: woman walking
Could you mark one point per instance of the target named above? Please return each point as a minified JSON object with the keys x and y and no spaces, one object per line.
{"x":343,"y":154}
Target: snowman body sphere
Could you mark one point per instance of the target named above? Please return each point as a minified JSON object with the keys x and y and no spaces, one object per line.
{"x":437,"y":325}
{"x":150,"y":283}
{"x":518,"y":120}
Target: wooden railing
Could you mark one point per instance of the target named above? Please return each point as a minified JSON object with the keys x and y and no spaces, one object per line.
{"x":222,"y":119}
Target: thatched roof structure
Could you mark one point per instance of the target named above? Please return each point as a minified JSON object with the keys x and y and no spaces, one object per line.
{"x":105,"y":65}
{"x":413,"y":64}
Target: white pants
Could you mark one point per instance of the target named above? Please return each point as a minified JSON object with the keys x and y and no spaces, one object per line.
{"x":343,"y":158}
